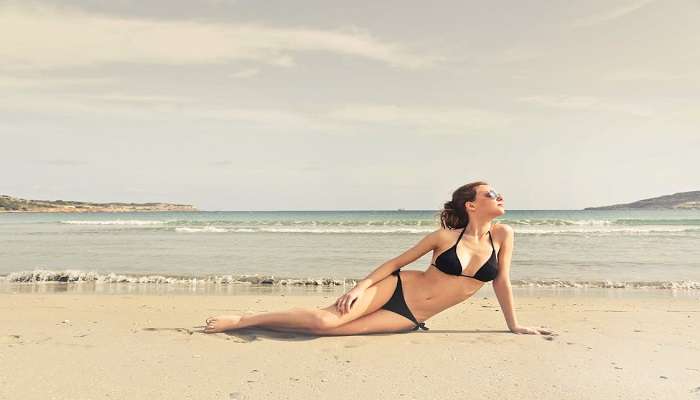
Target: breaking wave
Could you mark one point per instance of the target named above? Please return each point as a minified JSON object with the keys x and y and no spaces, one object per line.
{"x":40,"y":276}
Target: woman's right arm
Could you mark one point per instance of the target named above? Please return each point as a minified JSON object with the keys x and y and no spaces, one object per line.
{"x":428,"y":243}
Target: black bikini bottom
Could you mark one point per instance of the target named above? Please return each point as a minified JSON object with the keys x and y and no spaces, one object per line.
{"x":398,"y":305}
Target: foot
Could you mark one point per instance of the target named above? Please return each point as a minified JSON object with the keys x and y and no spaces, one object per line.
{"x":222,"y":323}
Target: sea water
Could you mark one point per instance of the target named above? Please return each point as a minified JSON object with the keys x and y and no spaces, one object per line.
{"x":553,"y":248}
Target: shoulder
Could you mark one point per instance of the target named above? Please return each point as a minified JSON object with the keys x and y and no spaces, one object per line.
{"x":503,"y":231}
{"x":442,"y":235}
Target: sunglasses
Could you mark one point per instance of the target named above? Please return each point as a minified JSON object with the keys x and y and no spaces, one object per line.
{"x":492,"y":194}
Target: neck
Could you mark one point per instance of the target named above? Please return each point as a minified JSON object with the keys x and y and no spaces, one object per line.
{"x":477,"y":229}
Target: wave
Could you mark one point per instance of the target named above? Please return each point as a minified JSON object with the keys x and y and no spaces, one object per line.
{"x":425,"y":230}
{"x":584,"y":227}
{"x":555,"y":222}
{"x":214,"y":229}
{"x":609,"y":231}
{"x":691,"y":222}
{"x":422,"y":223}
{"x":211,"y":229}
{"x":115,"y":222}
{"x":40,"y":276}
{"x":607,"y":284}
{"x":77,"y":276}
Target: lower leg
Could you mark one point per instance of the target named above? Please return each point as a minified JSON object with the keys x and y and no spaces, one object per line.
{"x":295,"y":318}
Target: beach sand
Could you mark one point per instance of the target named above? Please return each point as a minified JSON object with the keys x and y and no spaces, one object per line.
{"x":87,"y":346}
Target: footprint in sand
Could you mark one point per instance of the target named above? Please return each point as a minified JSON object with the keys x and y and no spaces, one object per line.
{"x":238,"y":338}
{"x":180,"y":330}
{"x":11,"y":339}
{"x":190,"y":332}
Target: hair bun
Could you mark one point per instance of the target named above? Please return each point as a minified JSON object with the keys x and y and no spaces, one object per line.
{"x":449,"y":205}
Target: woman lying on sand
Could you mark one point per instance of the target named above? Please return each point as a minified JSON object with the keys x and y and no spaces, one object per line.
{"x":467,"y":252}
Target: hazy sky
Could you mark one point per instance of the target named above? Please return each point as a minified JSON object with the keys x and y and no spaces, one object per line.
{"x":303,"y":105}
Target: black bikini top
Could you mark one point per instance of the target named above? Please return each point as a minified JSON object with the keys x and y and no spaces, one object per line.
{"x":448,"y":262}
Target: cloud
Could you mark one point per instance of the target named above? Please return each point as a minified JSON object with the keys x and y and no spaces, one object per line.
{"x":431,"y":120}
{"x":148,"y":107}
{"x":134,"y":99}
{"x":222,"y":163}
{"x":610,"y":15}
{"x":449,"y":119}
{"x":624,"y":75}
{"x":17,"y":82}
{"x":51,"y":38}
{"x":64,"y":163}
{"x":585,"y":103}
{"x":245,"y":73}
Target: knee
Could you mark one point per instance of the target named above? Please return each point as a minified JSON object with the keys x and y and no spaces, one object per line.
{"x":322,"y":321}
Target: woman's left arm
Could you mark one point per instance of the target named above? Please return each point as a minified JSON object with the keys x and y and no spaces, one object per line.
{"x":502,"y":287}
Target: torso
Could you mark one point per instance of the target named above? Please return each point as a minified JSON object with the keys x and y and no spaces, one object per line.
{"x":432,"y":291}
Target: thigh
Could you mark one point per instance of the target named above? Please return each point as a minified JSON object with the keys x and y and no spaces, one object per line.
{"x":380,"y":321}
{"x":373,"y":298}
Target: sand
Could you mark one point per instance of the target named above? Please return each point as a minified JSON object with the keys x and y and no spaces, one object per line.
{"x":87,"y":346}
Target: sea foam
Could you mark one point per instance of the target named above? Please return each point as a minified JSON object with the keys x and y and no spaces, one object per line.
{"x":40,"y":276}
{"x":114,"y":222}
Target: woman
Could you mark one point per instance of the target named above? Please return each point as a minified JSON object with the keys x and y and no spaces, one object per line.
{"x":467,"y":251}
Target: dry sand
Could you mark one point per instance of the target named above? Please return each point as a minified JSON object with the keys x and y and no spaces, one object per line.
{"x":87,"y":346}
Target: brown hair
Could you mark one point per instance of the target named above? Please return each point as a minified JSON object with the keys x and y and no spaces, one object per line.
{"x":453,"y":214}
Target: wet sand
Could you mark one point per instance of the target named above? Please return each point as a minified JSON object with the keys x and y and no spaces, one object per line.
{"x":87,"y":346}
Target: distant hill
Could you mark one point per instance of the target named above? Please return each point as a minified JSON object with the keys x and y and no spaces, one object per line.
{"x":687,"y":200}
{"x":14,"y":204}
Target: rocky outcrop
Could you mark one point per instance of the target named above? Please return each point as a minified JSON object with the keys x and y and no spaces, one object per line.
{"x":14,"y":204}
{"x":688,"y":200}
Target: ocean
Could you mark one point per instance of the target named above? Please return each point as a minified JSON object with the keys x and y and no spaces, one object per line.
{"x":653,"y":249}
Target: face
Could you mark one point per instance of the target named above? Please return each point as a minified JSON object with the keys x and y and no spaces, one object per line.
{"x":487,"y":201}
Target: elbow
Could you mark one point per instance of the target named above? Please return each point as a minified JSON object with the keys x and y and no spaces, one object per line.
{"x":501,"y":282}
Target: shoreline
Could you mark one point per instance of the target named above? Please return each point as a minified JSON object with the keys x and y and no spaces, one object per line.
{"x":249,"y":289}
{"x":270,"y":282}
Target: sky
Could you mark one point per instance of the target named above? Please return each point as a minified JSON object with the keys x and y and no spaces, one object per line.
{"x":317,"y":105}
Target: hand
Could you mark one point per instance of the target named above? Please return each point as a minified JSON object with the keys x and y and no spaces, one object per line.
{"x":530,"y":331}
{"x":346,"y":301}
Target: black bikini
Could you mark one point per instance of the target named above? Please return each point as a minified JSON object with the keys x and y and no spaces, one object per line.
{"x":452,"y":266}
{"x":398,"y":304}
{"x":448,"y":263}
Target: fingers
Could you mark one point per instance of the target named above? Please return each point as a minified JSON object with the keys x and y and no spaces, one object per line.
{"x":343,"y":304}
{"x":337,"y":303}
{"x":351,"y":303}
{"x":343,"y":308}
{"x":531,"y":331}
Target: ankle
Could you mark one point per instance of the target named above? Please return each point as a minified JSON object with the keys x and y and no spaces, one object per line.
{"x":244,"y":321}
